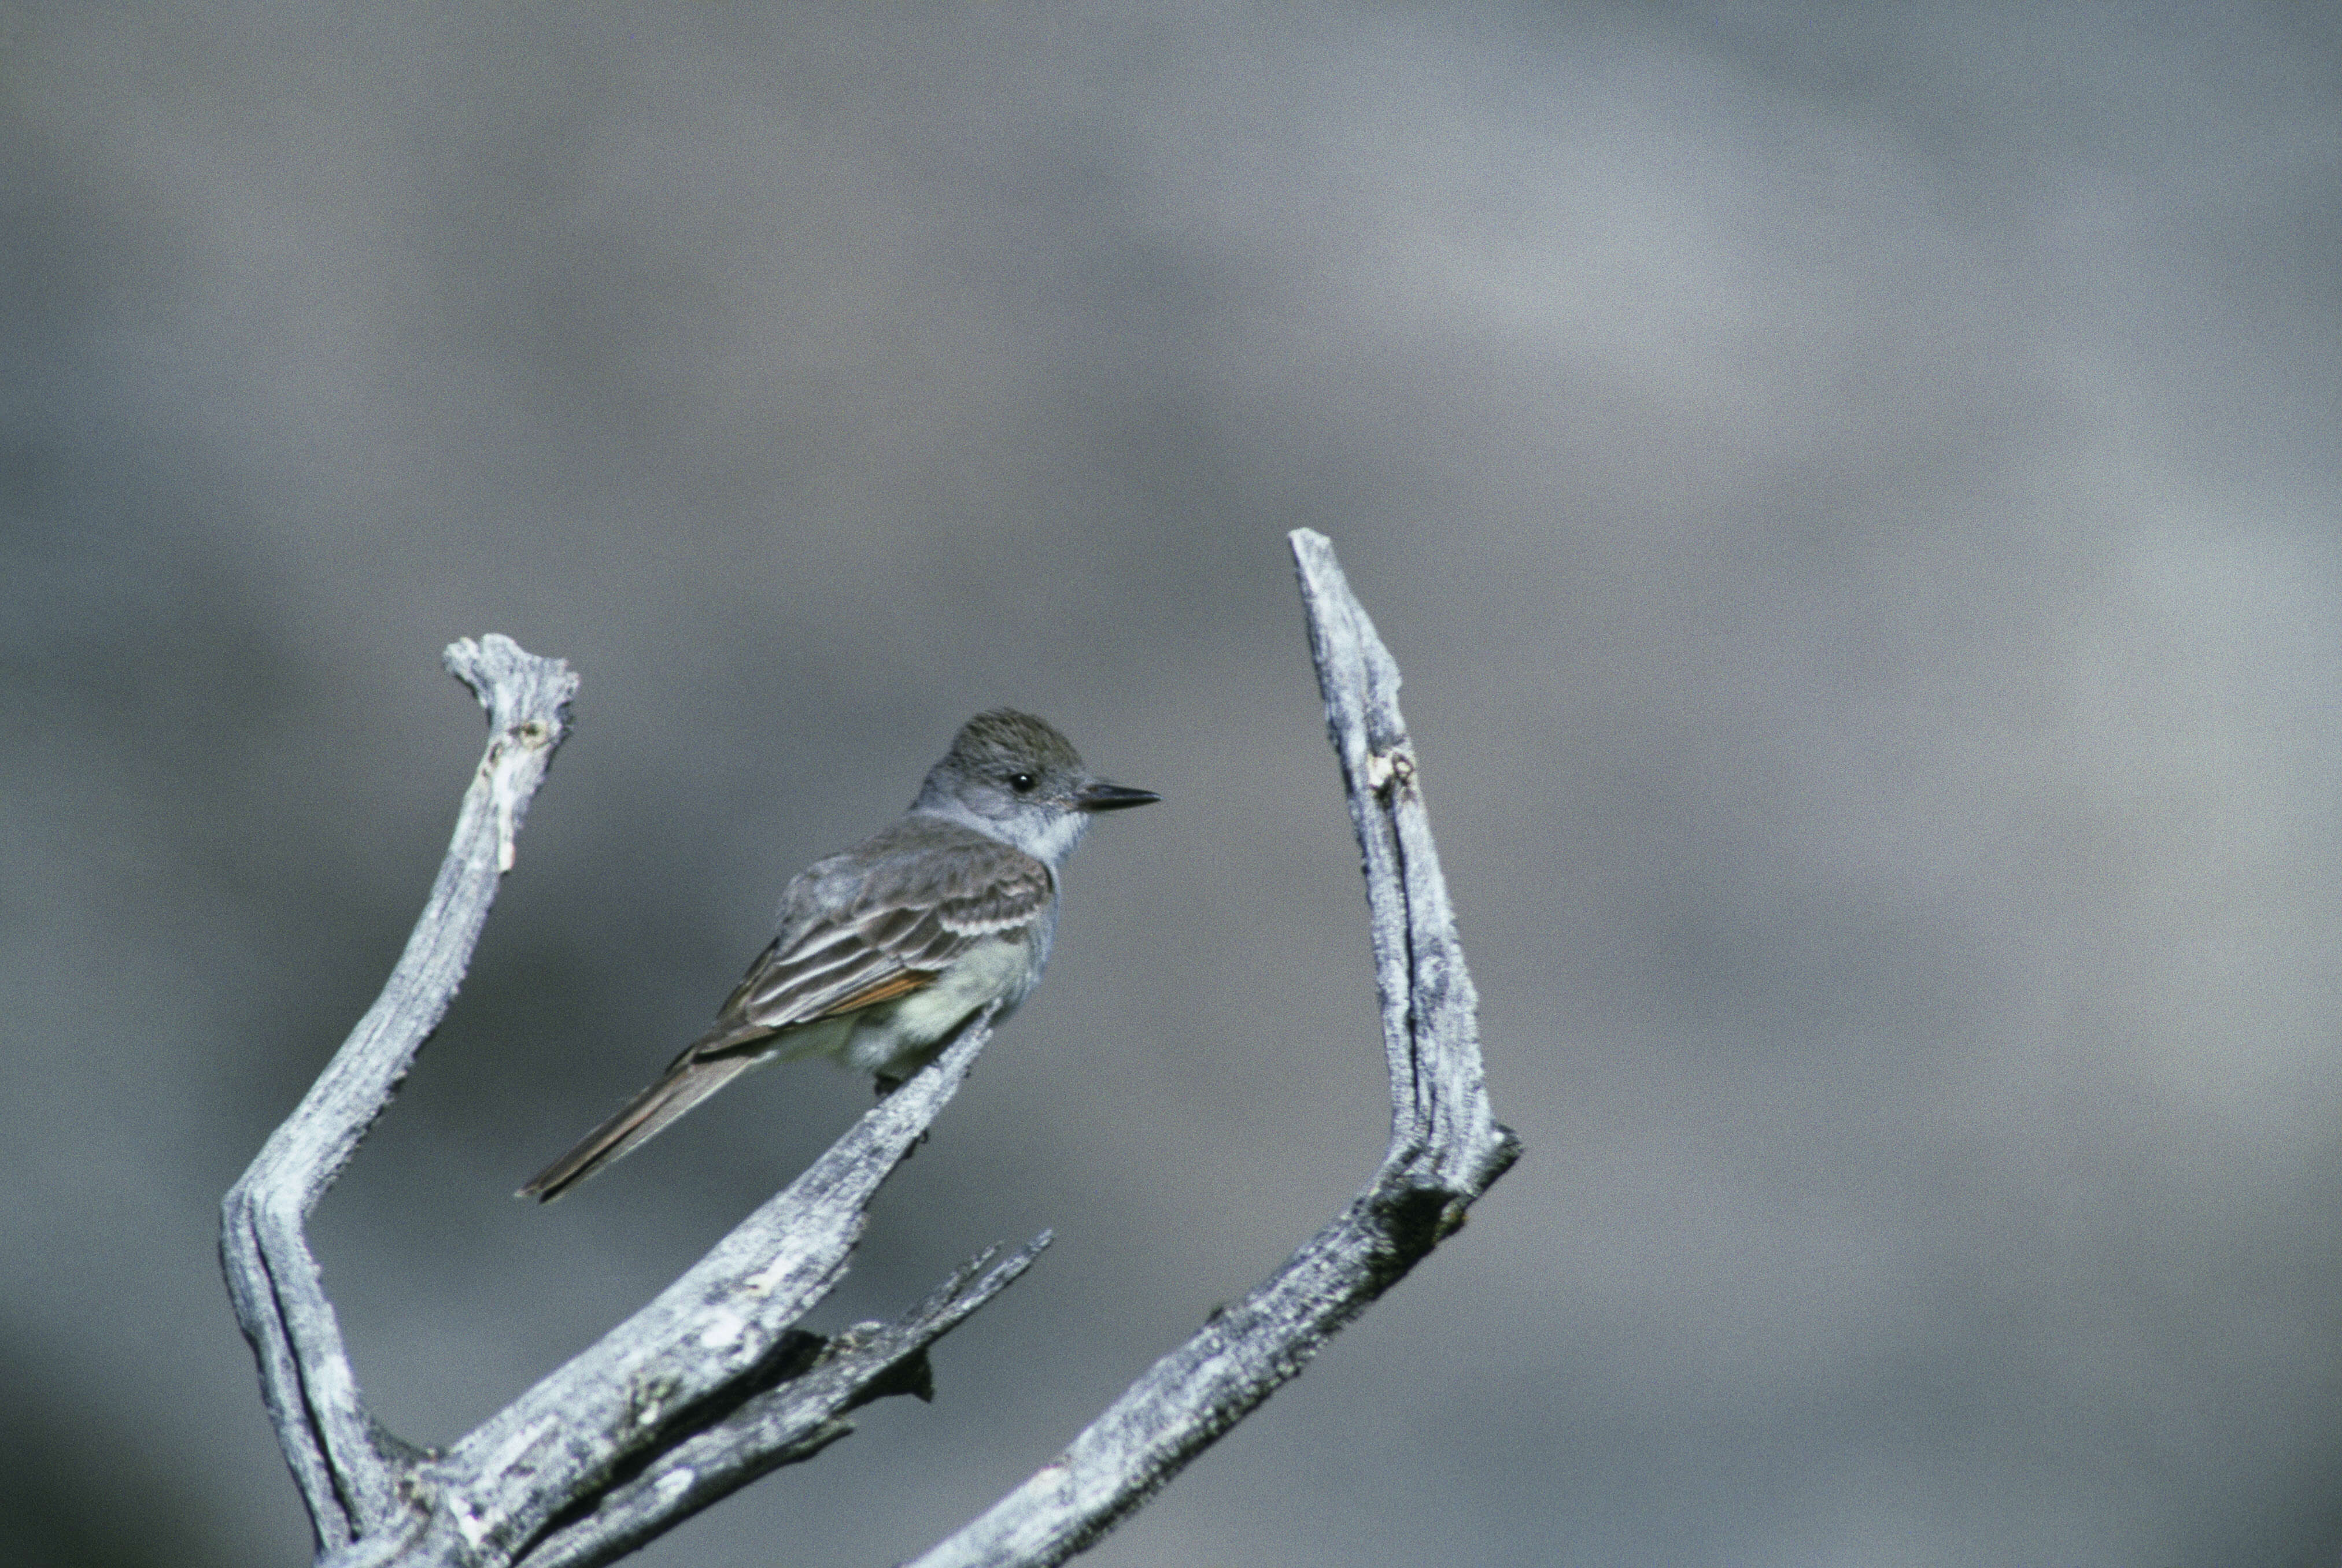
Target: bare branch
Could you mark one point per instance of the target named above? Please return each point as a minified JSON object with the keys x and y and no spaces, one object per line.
{"x":677,"y":1366}
{"x":1445,"y":1148}
{"x":791,"y":1422}
{"x":711,"y":1385}
{"x":697,"y":1394}
{"x":346,"y":1476}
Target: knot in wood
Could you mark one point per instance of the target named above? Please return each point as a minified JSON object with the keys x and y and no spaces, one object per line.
{"x":1387,"y":773}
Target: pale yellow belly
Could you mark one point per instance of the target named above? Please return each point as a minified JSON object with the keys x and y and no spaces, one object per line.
{"x":895,"y":1037}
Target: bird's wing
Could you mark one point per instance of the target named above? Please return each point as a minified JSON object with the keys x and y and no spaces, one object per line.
{"x":918,"y":907}
{"x":872,"y":924}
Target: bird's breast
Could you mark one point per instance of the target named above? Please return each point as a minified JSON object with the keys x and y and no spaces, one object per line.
{"x":997,"y":969}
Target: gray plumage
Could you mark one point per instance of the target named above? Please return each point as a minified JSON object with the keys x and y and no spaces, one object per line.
{"x":885,"y":949}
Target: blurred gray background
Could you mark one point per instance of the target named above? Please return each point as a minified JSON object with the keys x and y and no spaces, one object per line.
{"x":1852,"y":491}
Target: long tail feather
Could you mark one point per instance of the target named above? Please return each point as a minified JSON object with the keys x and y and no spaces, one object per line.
{"x":685,"y":1085}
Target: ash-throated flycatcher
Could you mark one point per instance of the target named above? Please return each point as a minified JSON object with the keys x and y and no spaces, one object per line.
{"x":887,"y":948}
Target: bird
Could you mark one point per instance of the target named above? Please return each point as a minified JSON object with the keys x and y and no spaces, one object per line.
{"x":885,"y":949}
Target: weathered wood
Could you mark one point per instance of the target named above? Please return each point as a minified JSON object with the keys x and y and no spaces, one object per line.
{"x":1446,"y":1147}
{"x":346,"y":1472}
{"x":711,"y":1385}
{"x":703,"y":1390}
{"x":784,"y":1425}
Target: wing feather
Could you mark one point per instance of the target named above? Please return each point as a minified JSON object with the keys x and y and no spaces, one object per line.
{"x":902,"y":982}
{"x":923,"y":893}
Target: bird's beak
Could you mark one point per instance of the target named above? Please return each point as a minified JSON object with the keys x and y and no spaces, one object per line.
{"x":1100,"y":796}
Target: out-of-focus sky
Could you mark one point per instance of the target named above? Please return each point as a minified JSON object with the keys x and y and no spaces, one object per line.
{"x":1853,"y":491}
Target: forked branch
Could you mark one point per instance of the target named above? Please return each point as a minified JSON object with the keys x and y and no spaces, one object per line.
{"x":707,"y":1387}
{"x":711,"y":1385}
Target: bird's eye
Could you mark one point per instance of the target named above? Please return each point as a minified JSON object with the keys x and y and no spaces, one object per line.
{"x":1022,"y":782}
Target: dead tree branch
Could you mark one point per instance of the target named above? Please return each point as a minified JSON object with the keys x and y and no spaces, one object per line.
{"x":1445,"y":1148}
{"x":711,"y":1385}
{"x":707,"y":1387}
{"x":346,"y":1472}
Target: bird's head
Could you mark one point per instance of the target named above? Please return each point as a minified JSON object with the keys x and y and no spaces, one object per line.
{"x":1013,"y":777}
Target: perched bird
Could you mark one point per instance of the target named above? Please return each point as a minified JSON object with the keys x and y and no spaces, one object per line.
{"x":887,"y":948}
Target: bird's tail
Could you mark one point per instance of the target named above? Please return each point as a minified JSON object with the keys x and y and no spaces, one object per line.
{"x":692,"y":1079}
